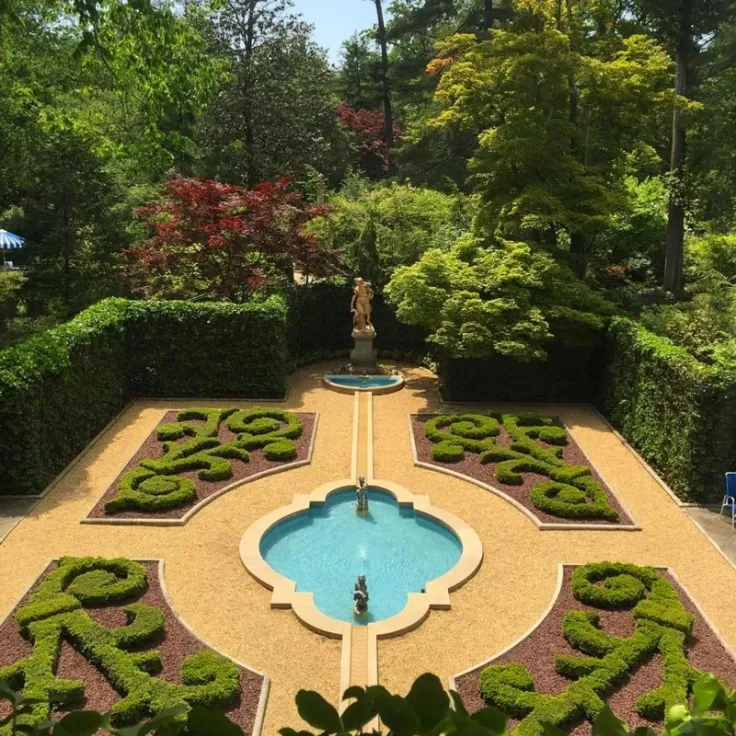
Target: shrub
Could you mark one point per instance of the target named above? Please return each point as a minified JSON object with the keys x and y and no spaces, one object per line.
{"x":447,"y":452}
{"x":679,"y":413}
{"x":570,"y":493}
{"x":156,"y":485}
{"x":280,"y":450}
{"x":608,"y":660}
{"x":56,"y":612}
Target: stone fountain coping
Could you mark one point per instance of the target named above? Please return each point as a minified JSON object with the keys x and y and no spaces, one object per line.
{"x":437,"y":595}
{"x":391,"y":388}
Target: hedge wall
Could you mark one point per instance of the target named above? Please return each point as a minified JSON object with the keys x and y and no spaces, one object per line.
{"x":212,"y":350}
{"x":59,"y":389}
{"x":679,"y":413}
{"x":320,"y":324}
{"x":569,"y":374}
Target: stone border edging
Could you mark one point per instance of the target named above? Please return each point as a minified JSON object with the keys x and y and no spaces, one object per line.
{"x":390,"y":389}
{"x":419,"y":605}
{"x":199,"y":506}
{"x":558,"y":589}
{"x":541,"y":525}
{"x":263,"y":698}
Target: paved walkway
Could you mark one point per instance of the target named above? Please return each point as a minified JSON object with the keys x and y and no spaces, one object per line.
{"x":717,"y":527}
{"x":212,"y":592}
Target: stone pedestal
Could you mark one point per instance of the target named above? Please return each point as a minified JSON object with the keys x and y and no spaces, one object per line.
{"x":363,"y":356}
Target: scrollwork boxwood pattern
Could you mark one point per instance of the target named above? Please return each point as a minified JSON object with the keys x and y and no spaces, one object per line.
{"x":57,"y":612}
{"x":661,"y":625}
{"x":571,"y":491}
{"x":191,"y":444}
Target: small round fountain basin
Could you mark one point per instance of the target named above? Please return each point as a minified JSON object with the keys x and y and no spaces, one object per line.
{"x":325,"y":549}
{"x":376,"y":384}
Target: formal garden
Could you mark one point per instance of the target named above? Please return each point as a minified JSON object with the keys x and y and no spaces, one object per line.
{"x":367,"y":368}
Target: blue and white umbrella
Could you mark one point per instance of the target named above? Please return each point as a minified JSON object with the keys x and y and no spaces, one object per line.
{"x":10,"y":241}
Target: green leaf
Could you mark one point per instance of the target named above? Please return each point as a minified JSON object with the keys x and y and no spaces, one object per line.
{"x":204,"y":722}
{"x":551,"y":730}
{"x":491,"y":718}
{"x":292,"y":732}
{"x":376,"y":692}
{"x":8,"y":694}
{"x":398,"y":715}
{"x":79,"y":723}
{"x":606,"y":724}
{"x":354,"y":691}
{"x":707,"y":693}
{"x":429,"y":700}
{"x":458,"y":702}
{"x":357,"y":714}
{"x":317,"y":712}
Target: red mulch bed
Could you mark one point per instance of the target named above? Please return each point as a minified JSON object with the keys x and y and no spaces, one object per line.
{"x":470,"y":465}
{"x":153,"y":449}
{"x":176,"y":644}
{"x":537,"y":653}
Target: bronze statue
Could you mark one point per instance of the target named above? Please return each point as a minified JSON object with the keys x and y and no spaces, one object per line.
{"x":361,"y":494}
{"x":360,"y":596}
{"x":361,"y":306}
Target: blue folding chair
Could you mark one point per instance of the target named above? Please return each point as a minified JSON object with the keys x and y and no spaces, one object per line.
{"x":729,"y":500}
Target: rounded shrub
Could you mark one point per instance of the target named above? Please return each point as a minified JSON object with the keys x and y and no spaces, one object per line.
{"x":280,"y":450}
{"x":447,"y":452}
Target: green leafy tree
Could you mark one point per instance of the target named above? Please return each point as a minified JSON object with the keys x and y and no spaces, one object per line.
{"x":391,"y":226}
{"x":509,"y":299}
{"x":274,"y":114}
{"x":554,"y":110}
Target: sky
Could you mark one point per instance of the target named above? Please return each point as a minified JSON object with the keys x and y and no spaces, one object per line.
{"x":336,"y":20}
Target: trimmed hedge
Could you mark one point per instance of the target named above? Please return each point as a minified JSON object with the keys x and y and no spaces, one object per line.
{"x":320,"y":325}
{"x":156,"y":485}
{"x":661,"y":625}
{"x":568,"y":374}
{"x":217,"y":350}
{"x":677,"y":412}
{"x":570,"y":493}
{"x":59,"y":389}
{"x":56,"y":612}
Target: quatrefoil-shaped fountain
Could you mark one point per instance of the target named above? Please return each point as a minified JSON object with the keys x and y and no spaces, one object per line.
{"x":311,"y":552}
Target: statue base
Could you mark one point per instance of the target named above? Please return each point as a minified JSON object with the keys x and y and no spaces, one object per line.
{"x":363,"y":356}
{"x":359,"y":614}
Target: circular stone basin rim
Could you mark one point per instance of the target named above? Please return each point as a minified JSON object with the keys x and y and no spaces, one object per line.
{"x":378,"y":384}
{"x":437,"y":595}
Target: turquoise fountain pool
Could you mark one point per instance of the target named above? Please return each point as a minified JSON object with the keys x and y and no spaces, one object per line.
{"x":364,"y":383}
{"x":324,"y":550}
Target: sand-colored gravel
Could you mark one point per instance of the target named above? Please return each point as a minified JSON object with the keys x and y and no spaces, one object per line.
{"x":212,"y":592}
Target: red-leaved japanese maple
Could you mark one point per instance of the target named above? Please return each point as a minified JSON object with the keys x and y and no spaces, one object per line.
{"x":370,"y":128}
{"x":222,"y":241}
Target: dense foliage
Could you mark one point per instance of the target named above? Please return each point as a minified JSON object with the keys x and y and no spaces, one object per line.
{"x":677,"y":411}
{"x":225,"y":242}
{"x":158,"y":484}
{"x":59,"y":389}
{"x":536,"y":445}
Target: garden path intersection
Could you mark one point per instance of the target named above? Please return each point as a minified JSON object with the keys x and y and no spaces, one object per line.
{"x":516,"y":583}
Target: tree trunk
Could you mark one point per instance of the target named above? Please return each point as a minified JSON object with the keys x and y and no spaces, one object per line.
{"x":388,"y":115}
{"x":578,"y":256}
{"x":248,"y":135}
{"x":673,"y":271}
{"x":488,"y":14}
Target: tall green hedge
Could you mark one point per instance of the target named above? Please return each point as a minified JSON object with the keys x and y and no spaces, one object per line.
{"x":59,"y":389}
{"x":211,"y":350}
{"x":568,"y":374}
{"x":679,"y":413}
{"x":320,"y":324}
